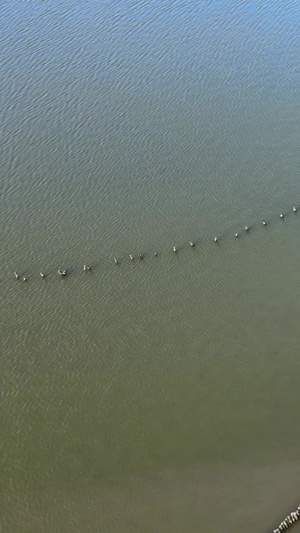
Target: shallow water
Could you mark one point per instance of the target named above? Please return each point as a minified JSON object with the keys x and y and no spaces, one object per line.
{"x":159,"y":394}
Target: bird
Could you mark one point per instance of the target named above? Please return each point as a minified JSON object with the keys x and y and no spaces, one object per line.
{"x":116,"y":261}
{"x":264,"y":223}
{"x":236,"y":235}
{"x":295,"y":209}
{"x":246,"y":228}
{"x":140,"y":256}
{"x":62,"y":272}
{"x":191,"y":243}
{"x":87,"y":267}
{"x":281,"y":215}
{"x":131,"y":257}
{"x":174,"y":249}
{"x":155,"y":254}
{"x":24,"y":278}
{"x":16,"y":275}
{"x":42,"y":275}
{"x":215,"y":239}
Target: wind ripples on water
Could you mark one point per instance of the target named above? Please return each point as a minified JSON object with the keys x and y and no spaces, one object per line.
{"x":128,"y":128}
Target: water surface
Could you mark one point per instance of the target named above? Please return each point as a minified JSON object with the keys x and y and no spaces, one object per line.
{"x":160,"y":394}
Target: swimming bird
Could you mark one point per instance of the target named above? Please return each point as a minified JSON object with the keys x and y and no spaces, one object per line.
{"x":42,"y":275}
{"x":246,"y":228}
{"x":215,"y":239}
{"x":295,"y":209}
{"x":191,"y":243}
{"x":174,"y":249}
{"x":264,"y":223}
{"x":131,"y":257}
{"x":140,"y":256}
{"x":281,"y":215}
{"x":116,"y":261}
{"x":87,"y":267}
{"x":16,"y":275}
{"x":62,"y":272}
{"x":24,"y":278}
{"x":236,"y":235}
{"x":155,"y":253}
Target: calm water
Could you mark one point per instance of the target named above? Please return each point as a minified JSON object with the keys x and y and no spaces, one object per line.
{"x":157,"y":395}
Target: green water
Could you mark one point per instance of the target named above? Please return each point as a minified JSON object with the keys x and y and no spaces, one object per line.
{"x":157,"y":394}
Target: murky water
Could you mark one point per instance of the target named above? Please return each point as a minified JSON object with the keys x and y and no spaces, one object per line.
{"x":157,"y":394}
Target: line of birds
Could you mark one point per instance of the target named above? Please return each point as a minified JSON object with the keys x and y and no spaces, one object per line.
{"x":288,"y":521}
{"x":88,"y":268}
